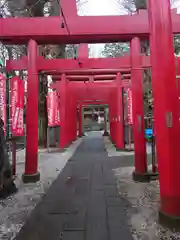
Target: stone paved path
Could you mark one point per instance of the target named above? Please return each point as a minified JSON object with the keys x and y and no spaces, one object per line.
{"x":82,"y":203}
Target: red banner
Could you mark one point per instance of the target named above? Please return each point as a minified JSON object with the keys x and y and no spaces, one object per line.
{"x":3,"y":99}
{"x":17,"y":106}
{"x":129,"y":98}
{"x":53,"y":109}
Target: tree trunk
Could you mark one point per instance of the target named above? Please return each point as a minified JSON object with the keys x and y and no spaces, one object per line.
{"x":140,"y":4}
{"x":58,"y":49}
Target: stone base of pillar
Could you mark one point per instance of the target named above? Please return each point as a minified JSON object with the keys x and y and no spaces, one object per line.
{"x":153,"y":176}
{"x":83,"y":135}
{"x":56,"y":150}
{"x":111,"y":140}
{"x":61,"y":150}
{"x":172,"y":222}
{"x":139,"y":177}
{"x":105,"y":134}
{"x":26,"y":178}
{"x":68,"y":145}
{"x":146,"y":177}
{"x":8,"y":189}
{"x":124,"y":149}
{"x":52,"y":145}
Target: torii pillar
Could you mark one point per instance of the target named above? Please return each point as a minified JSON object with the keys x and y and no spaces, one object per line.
{"x":80,"y":120}
{"x":105,"y":123}
{"x":74,"y":134}
{"x":166,"y":112}
{"x":63,"y":112}
{"x":178,"y":81}
{"x":83,"y":55}
{"x":119,"y":121}
{"x":31,"y":163}
{"x":73,"y":115}
{"x":113,"y":116}
{"x":140,"y":158}
{"x":111,"y":124}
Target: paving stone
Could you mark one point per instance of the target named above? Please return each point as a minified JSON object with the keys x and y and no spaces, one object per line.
{"x":109,"y":179}
{"x":67,"y":206}
{"x":114,"y":202}
{"x":96,"y":206}
{"x":82,"y":186}
{"x":43,"y":226}
{"x":96,"y":217}
{"x":111,"y":190}
{"x":81,"y":170}
{"x":75,"y":222}
{"x":117,"y":224}
{"x":74,"y":235}
{"x":97,"y":182}
{"x":97,"y":229}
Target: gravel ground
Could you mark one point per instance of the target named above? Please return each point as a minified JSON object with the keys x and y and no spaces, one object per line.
{"x":142,"y":201}
{"x":142,"y":207}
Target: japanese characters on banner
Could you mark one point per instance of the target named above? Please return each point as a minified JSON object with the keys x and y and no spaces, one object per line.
{"x":17,"y":106}
{"x":129,"y":100}
{"x":53,"y":109}
{"x":20,"y":123}
{"x":3,"y":99}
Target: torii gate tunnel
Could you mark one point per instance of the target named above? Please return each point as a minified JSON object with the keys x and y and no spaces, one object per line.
{"x":158,"y":24}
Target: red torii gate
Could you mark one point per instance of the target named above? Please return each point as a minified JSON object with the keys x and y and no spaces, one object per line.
{"x":140,"y":146}
{"x":160,"y":28}
{"x":86,"y":102}
{"x":107,"y":90}
{"x":144,"y":62}
{"x":83,"y":56}
{"x":78,"y":89}
{"x":116,"y":64}
{"x":68,"y":90}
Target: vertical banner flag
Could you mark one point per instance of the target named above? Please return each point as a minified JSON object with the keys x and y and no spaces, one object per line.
{"x":17,"y":106}
{"x":3,"y":99}
{"x":20,"y":123}
{"x":57,"y":111}
{"x":129,"y":99}
{"x":53,"y":109}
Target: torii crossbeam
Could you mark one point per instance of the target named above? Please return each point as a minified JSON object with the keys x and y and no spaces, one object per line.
{"x":71,"y":66}
{"x":91,"y":29}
